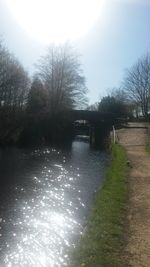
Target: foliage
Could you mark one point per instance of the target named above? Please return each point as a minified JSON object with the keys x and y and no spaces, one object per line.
{"x":62,"y":77}
{"x":44,"y":128}
{"x":119,"y":94}
{"x":110,"y":104}
{"x":37,"y":97}
{"x":104,"y":238}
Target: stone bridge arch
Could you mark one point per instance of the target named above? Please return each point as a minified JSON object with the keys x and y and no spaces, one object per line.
{"x":100,"y":124}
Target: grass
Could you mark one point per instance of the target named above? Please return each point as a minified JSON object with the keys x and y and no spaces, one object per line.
{"x":103,"y":242}
{"x":148,"y":147}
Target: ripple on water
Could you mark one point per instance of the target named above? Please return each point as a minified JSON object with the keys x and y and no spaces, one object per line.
{"x":45,"y":218}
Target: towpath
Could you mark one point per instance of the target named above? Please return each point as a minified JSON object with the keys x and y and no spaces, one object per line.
{"x":138,"y":233}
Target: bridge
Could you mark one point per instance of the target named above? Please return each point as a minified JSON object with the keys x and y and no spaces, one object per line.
{"x":92,"y":116}
{"x":100,"y":124}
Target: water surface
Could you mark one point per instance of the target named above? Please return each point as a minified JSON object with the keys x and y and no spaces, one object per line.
{"x":45,"y":197}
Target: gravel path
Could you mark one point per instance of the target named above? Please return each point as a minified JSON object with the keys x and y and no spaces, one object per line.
{"x":138,"y":232}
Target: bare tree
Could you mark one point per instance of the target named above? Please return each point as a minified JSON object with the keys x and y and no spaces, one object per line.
{"x":14,"y":81}
{"x":137,"y":84}
{"x":119,"y":94}
{"x":62,"y":77}
{"x":93,"y":107}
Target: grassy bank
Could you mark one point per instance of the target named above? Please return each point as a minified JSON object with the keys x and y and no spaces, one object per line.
{"x":102,"y":244}
{"x":148,"y":148}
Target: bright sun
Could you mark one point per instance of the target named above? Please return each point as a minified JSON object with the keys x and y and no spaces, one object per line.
{"x":56,"y":20}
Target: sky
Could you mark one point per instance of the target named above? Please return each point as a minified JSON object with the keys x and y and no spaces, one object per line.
{"x":117,"y":38}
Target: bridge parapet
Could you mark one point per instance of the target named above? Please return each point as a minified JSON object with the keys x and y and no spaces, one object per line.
{"x":100,"y":123}
{"x":92,"y":116}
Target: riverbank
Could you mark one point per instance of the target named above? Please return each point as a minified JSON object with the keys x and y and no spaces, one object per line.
{"x":137,"y":251}
{"x":103,"y":241}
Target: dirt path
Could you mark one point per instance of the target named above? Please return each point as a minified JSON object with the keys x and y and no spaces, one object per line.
{"x":138,"y":245}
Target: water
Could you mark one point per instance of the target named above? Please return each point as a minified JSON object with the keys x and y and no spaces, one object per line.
{"x":45,"y":197}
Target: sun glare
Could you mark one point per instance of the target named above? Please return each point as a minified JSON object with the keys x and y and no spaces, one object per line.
{"x":56,"y":20}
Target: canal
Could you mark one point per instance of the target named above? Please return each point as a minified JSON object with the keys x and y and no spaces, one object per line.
{"x":45,"y":198}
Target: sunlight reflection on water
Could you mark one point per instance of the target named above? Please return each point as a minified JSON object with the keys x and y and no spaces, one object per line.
{"x":48,"y":221}
{"x":45,"y":224}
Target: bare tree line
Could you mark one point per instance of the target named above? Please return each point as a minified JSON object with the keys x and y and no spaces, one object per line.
{"x":61,"y":75}
{"x":32,"y":107}
{"x":58,"y":77}
{"x":136,"y":84}
{"x":133,"y":93}
{"x":14,"y":80}
{"x":135,"y":88}
{"x":59,"y":84}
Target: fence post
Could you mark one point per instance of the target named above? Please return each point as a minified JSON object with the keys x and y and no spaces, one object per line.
{"x":114,"y":135}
